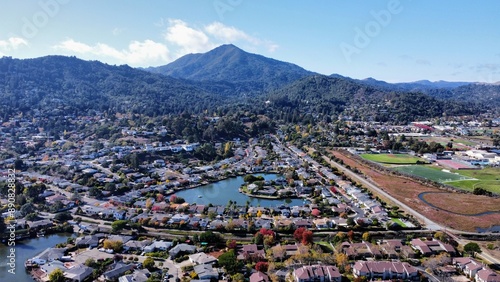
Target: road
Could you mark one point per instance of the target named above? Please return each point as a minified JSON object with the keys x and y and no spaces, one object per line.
{"x":431,"y":225}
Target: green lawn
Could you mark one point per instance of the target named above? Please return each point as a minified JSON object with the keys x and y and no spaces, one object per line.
{"x":325,"y":245}
{"x":391,"y":158}
{"x":398,"y":221}
{"x":431,"y":173}
{"x":487,"y":178}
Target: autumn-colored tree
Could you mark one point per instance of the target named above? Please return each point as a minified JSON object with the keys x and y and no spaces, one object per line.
{"x":340,"y":236}
{"x":441,"y":236}
{"x":261,"y":266}
{"x":231,"y":244}
{"x":366,"y":236}
{"x":160,"y":197}
{"x":350,"y":235}
{"x":279,"y":252}
{"x":149,"y":203}
{"x":307,"y":237}
{"x":172,"y":198}
{"x":238,"y":277}
{"x":342,"y":260}
{"x":265,"y":231}
{"x":115,"y":245}
{"x":298,"y":233}
{"x":268,"y":241}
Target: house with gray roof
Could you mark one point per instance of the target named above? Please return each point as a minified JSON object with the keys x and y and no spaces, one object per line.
{"x":116,"y":270}
{"x":157,"y":246}
{"x":181,"y":248}
{"x":206,"y":271}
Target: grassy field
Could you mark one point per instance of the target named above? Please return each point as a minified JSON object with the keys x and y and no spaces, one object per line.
{"x":391,"y":158}
{"x":398,"y":221}
{"x":431,"y":173}
{"x":408,"y":191}
{"x":487,"y":178}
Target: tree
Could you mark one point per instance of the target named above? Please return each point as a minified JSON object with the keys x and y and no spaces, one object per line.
{"x":57,"y":275}
{"x":231,"y":244}
{"x":63,"y":216}
{"x":366,"y":237}
{"x":27,"y":208}
{"x":350,"y":235}
{"x":149,"y":263}
{"x":307,"y":237}
{"x":261,"y":266}
{"x":341,"y":259}
{"x":472,"y":248}
{"x":229,"y":261}
{"x":441,"y":236}
{"x":118,"y":225}
{"x":298,"y":233}
{"x":238,"y":277}
{"x":115,"y":245}
{"x":90,"y":262}
{"x":340,"y":236}
{"x":210,"y":237}
{"x":95,"y":192}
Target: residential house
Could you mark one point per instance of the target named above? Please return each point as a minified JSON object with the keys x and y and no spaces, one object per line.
{"x":385,"y":270}
{"x":313,"y":273}
{"x":88,"y":241}
{"x":362,"y":250}
{"x":391,"y":248}
{"x":250,"y":250}
{"x":39,"y":224}
{"x":123,"y":238}
{"x":116,"y":270}
{"x":135,"y":245}
{"x":139,"y":275}
{"x":78,"y":272}
{"x":468,"y":266}
{"x":205,"y":271}
{"x":430,"y":247}
{"x":157,"y":246}
{"x":202,"y":258}
{"x":259,"y":277}
{"x":49,"y":255}
{"x":181,"y":248}
{"x":487,"y":275}
{"x":322,"y":223}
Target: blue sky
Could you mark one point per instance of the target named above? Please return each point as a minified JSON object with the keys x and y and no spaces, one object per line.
{"x":392,"y":40}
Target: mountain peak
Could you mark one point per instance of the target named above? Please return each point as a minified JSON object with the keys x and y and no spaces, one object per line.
{"x":230,"y":64}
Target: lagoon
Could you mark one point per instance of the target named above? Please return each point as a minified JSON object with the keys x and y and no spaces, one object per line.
{"x":26,"y":249}
{"x":219,"y":193}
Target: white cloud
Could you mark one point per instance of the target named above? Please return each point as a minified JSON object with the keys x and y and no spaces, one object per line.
{"x":229,"y":34}
{"x":12,"y":43}
{"x":180,"y":39}
{"x":190,"y":40}
{"x":196,"y":40}
{"x":138,"y":53}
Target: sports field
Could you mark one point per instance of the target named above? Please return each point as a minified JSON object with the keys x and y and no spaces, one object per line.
{"x":486,"y":178}
{"x":391,"y":158}
{"x":432,"y":174}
